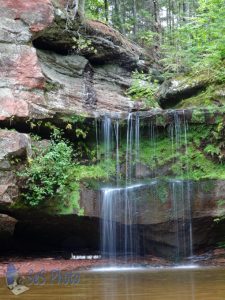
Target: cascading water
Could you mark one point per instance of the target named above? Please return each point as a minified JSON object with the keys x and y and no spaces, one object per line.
{"x":181,"y":191}
{"x":118,"y":211}
{"x":120,"y":234}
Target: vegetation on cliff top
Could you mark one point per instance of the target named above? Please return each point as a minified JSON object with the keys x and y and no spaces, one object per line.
{"x":181,"y":37}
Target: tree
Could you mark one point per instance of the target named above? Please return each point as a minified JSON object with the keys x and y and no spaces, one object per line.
{"x":117,"y":15}
{"x":106,"y":10}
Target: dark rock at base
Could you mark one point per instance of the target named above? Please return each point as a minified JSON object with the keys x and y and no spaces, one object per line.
{"x":68,"y":233}
{"x":7,"y":226}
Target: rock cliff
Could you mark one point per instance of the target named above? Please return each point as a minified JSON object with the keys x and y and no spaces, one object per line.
{"x":63,"y":76}
{"x":53,"y":67}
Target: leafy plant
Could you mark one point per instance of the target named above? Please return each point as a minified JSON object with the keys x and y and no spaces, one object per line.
{"x":198,"y":45}
{"x":52,"y":177}
{"x":143,"y":89}
{"x":83,"y":44}
{"x":47,"y":174}
{"x":212,"y":150}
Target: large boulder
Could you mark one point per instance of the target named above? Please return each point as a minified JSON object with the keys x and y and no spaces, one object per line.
{"x":172,"y":91}
{"x":15,"y":147}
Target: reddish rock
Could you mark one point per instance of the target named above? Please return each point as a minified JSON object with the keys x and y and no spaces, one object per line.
{"x":8,"y":193}
{"x":37,"y":14}
{"x":27,"y":70}
{"x":12,"y":144}
{"x":219,"y":251}
{"x":9,"y":106}
{"x":20,"y":67}
{"x":22,"y":81}
{"x":219,"y":260}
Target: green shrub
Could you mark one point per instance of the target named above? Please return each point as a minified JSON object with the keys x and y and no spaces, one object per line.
{"x":52,"y":178}
{"x":47,"y":174}
{"x":143,"y":89}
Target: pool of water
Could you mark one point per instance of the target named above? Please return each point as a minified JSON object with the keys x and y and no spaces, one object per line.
{"x":153,"y":284}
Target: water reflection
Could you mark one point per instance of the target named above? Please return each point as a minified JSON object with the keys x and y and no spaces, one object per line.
{"x":148,"y":284}
{"x":180,"y":284}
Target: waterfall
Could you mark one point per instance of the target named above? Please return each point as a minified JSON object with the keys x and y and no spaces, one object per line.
{"x":182,"y":221}
{"x":107,"y":136}
{"x":120,"y":233}
{"x":181,"y":191}
{"x":118,"y":211}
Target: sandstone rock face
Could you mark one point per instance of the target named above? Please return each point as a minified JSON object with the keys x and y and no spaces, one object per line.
{"x":154,"y":204}
{"x":76,"y":87}
{"x":158,"y":214}
{"x":156,"y":225}
{"x":65,"y":80}
{"x":35,"y":14}
{"x":22,"y":82}
{"x":14,"y":146}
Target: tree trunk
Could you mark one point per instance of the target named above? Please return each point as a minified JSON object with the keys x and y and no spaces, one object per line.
{"x":157,"y":24}
{"x":135,"y":17}
{"x":106,"y":10}
{"x":117,"y":17}
{"x":81,"y":8}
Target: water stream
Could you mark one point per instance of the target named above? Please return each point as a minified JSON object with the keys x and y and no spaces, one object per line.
{"x":120,"y":234}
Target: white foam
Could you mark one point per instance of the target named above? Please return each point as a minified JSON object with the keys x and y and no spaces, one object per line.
{"x":149,"y":268}
{"x":184,"y":267}
{"x":118,"y":269}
